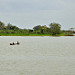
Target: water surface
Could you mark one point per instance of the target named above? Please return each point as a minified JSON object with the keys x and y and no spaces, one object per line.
{"x":37,"y":55}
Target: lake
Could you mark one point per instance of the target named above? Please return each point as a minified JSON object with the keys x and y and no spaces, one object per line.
{"x":41,"y":55}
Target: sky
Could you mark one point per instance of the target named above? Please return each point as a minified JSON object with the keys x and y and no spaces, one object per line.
{"x":30,"y":13}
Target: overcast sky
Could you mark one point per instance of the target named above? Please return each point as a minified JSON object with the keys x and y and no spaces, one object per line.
{"x":29,"y":13}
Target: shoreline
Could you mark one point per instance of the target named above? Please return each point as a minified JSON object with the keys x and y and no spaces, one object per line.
{"x":36,"y":35}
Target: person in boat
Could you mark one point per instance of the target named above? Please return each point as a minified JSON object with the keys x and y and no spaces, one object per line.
{"x":17,"y":43}
{"x":12,"y":43}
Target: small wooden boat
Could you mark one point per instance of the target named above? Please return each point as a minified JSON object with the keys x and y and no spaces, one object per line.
{"x":12,"y":43}
{"x":15,"y":43}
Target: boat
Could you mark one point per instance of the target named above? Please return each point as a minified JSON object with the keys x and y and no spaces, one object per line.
{"x":15,"y":43}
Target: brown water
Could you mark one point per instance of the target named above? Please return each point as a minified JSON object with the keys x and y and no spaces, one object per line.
{"x":37,"y":55}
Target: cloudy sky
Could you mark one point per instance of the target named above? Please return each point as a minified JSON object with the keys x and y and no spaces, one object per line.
{"x":29,"y":13}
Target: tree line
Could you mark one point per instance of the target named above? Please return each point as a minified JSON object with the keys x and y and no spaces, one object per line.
{"x":53,"y":29}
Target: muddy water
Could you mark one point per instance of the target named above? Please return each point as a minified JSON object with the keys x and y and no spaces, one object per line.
{"x":37,"y":55}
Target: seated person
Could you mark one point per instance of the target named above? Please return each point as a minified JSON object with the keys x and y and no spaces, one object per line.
{"x":18,"y":43}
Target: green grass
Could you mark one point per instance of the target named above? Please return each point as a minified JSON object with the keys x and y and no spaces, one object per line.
{"x":22,"y":34}
{"x":62,"y":34}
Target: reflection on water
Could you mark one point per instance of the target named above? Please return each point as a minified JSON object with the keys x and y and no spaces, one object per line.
{"x":37,"y":55}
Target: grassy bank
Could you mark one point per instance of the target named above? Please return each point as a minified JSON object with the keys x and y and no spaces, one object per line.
{"x":5,"y":34}
{"x":22,"y":34}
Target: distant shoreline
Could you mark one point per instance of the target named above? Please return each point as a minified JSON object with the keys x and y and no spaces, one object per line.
{"x":34,"y":35}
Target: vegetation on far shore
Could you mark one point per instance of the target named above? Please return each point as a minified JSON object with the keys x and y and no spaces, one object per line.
{"x":54,"y":29}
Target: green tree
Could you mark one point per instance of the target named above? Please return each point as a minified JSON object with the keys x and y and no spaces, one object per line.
{"x":41,"y":29}
{"x":36,"y":28}
{"x":11,"y":27}
{"x":55,"y":28}
{"x":44,"y":29}
{"x":2,"y":25}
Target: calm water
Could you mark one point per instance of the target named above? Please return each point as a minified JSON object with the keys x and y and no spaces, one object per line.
{"x":37,"y":55}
